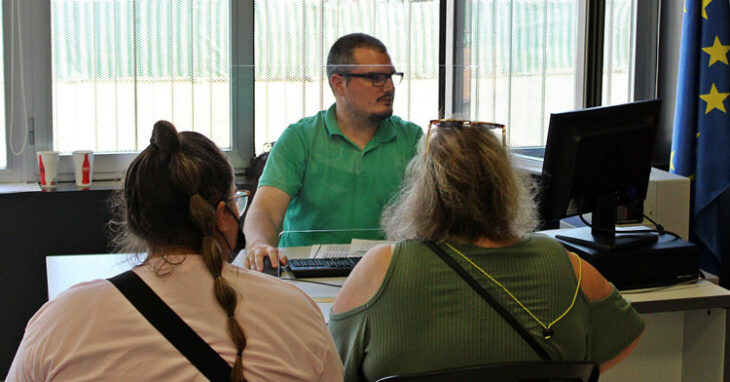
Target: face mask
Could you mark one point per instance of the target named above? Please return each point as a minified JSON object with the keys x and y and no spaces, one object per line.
{"x":240,"y":238}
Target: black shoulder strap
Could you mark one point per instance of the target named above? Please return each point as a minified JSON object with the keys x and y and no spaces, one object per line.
{"x":170,"y":325}
{"x":490,"y":300}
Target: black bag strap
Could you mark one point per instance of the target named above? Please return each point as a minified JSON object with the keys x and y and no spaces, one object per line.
{"x":490,"y":300}
{"x":172,"y":327}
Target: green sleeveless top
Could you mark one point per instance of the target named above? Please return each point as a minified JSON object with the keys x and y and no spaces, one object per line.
{"x":425,"y":317}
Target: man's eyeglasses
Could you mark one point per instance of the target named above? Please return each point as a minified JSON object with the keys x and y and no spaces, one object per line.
{"x":497,"y":128}
{"x":240,"y":198}
{"x":378,"y":79}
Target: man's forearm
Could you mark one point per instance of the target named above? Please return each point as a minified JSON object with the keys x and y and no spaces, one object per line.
{"x":265,"y":217}
{"x":260,"y":229}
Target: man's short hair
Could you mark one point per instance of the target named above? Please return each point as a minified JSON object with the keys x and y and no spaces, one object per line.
{"x":341,"y":52}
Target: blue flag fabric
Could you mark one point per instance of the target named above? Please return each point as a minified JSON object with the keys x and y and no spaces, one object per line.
{"x":701,"y":135}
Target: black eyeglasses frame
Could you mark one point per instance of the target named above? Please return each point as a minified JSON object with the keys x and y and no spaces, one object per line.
{"x":375,"y":77}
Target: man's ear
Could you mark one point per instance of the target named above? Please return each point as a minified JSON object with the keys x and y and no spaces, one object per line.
{"x":338,"y":84}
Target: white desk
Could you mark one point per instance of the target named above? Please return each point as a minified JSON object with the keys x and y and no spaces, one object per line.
{"x":65,"y":271}
{"x":685,"y":340}
{"x":323,"y":295}
{"x":686,"y":335}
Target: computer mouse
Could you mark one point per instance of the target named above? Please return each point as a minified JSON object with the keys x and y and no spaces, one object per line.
{"x":269,"y":270}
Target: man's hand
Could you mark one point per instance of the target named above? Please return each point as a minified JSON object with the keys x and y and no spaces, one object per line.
{"x":255,"y":257}
{"x":262,"y":225}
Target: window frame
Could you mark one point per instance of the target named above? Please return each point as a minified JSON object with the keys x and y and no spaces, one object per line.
{"x":589,"y":55}
{"x":34,"y":25}
{"x":27,"y":80}
{"x":35,"y":21}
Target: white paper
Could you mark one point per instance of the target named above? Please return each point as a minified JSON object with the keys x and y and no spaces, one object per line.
{"x":359,"y":247}
{"x":324,"y":251}
{"x":356,"y":248}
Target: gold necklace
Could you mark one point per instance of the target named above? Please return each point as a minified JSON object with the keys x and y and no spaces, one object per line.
{"x":547,"y":331}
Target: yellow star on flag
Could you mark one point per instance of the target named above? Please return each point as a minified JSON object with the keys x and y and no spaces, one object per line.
{"x":717,"y":52}
{"x":705,"y":3}
{"x":714,"y":99}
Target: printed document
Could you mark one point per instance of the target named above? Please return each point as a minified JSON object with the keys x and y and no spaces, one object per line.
{"x":356,"y":248}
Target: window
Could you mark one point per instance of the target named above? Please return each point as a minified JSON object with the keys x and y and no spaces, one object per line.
{"x":100,"y":72}
{"x":3,"y":144}
{"x":520,"y":64}
{"x":292,"y":39}
{"x":521,"y":61}
{"x":118,"y":66}
{"x":617,"y":60}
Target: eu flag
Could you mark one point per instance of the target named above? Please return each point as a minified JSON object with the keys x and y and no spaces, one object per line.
{"x":701,"y":136}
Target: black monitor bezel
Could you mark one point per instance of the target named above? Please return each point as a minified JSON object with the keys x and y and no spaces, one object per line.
{"x":563,"y":151}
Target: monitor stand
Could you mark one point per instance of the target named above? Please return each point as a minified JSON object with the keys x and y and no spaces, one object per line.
{"x":585,"y":237}
{"x":603,"y":235}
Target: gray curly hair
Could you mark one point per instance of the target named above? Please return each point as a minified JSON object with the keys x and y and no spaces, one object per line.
{"x":464,"y":188}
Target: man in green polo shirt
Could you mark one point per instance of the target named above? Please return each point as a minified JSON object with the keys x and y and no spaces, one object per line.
{"x":334,"y":171}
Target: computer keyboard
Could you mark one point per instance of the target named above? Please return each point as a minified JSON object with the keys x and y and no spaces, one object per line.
{"x":328,"y":267}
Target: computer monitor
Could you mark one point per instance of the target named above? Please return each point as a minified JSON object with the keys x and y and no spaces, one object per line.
{"x":595,"y":160}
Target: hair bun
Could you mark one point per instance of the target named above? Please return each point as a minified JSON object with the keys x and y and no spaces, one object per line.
{"x":164,"y":136}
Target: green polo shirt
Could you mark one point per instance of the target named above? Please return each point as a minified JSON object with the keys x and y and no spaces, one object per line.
{"x":334,"y":185}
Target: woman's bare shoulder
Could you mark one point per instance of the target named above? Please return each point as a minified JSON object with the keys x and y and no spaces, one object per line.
{"x":365,"y":279}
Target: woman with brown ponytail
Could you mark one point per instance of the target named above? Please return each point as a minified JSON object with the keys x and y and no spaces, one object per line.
{"x":178,"y":204}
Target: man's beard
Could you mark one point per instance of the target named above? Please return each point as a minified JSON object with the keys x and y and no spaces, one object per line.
{"x":377,"y":117}
{"x":372,"y":117}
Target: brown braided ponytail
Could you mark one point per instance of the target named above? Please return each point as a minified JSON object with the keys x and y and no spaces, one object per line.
{"x":203,"y":214}
{"x":168,"y":201}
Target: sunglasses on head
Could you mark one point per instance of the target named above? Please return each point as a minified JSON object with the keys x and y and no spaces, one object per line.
{"x":499,"y":129}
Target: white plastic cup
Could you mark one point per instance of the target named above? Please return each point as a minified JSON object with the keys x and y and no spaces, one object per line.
{"x":83,"y":167}
{"x":48,"y":168}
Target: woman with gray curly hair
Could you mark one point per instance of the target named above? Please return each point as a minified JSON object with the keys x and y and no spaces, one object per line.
{"x":463,"y":208}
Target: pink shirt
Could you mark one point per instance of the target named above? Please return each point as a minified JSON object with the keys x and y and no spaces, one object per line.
{"x":91,"y":332}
